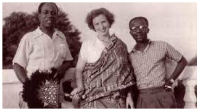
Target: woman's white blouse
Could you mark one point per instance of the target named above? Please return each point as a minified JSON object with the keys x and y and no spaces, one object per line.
{"x":91,"y":50}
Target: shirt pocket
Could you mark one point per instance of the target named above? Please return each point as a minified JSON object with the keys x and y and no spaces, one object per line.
{"x":62,"y":50}
{"x":38,"y":52}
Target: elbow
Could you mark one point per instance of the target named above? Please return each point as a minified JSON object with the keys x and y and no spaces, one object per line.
{"x":15,"y":66}
{"x":184,"y":61}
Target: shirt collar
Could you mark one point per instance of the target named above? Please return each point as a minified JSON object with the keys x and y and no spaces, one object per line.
{"x":147,"y":47}
{"x":40,"y":33}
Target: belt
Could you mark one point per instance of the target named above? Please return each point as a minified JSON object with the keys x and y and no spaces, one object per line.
{"x":152,"y":90}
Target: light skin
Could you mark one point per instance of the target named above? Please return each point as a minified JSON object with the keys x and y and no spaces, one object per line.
{"x":47,"y":19}
{"x":102,"y":27}
{"x":140,"y":36}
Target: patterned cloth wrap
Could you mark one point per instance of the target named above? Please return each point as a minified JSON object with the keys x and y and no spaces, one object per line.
{"x":42,"y":90}
{"x":107,"y":77}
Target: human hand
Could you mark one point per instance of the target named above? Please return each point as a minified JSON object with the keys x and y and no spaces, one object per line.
{"x":64,"y":67}
{"x":60,"y":72}
{"x":168,"y":85}
{"x":76,"y":93}
{"x":129,"y":101}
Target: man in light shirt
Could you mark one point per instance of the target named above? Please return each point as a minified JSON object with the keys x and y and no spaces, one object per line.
{"x":148,"y":60}
{"x":44,"y":48}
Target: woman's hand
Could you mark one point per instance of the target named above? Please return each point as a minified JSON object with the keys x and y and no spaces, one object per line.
{"x":129,"y":101}
{"x":77,"y":92}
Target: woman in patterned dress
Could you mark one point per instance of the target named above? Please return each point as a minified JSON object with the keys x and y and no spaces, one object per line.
{"x":103,"y":73}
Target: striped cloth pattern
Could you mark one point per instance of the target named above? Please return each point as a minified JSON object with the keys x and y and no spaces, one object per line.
{"x":149,"y":65}
{"x":109,"y":75}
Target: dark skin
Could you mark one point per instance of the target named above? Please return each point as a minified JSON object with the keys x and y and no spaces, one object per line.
{"x":47,"y":19}
{"x":139,"y":35}
{"x":139,"y":30}
{"x":20,"y":72}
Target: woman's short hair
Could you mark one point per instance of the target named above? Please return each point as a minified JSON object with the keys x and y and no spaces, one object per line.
{"x":94,"y":13}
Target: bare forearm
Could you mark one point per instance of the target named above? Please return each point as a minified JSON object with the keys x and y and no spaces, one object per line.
{"x":20,"y":72}
{"x":79,"y":79}
{"x":79,"y":72}
{"x":179,"y":68}
{"x":63,"y":68}
{"x":67,"y":64}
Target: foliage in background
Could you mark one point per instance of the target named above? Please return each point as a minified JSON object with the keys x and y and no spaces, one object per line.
{"x":19,"y":23}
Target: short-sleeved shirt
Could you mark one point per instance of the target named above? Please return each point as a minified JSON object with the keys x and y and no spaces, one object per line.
{"x":91,"y":50}
{"x":149,"y":65}
{"x":37,"y":51}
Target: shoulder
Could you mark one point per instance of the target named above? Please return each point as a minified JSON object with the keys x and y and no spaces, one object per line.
{"x":120,"y":42}
{"x":30,"y":35}
{"x":85,"y":48}
{"x":60,"y":34}
{"x":159,"y":43}
{"x":89,"y":42}
{"x":162,"y":45}
{"x":116,"y":38}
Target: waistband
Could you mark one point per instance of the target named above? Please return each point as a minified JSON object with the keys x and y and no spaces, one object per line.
{"x":152,"y":90}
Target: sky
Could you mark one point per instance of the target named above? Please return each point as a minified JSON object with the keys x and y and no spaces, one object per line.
{"x":175,"y":23}
{"x":172,"y":21}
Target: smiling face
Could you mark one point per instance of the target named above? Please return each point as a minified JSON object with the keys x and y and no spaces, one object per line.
{"x":101,"y":25}
{"x":139,"y":29}
{"x":47,"y":16}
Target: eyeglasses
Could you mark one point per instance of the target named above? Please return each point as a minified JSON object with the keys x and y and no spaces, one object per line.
{"x":139,"y":28}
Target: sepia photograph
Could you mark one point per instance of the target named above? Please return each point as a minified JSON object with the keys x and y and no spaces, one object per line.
{"x":98,"y":55}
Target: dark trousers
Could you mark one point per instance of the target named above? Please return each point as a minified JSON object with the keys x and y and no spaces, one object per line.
{"x":156,"y":98}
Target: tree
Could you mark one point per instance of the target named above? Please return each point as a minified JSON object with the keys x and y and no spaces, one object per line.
{"x":19,"y":23}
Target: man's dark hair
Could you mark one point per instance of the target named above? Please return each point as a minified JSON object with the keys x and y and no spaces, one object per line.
{"x":140,"y":17}
{"x":41,"y":4}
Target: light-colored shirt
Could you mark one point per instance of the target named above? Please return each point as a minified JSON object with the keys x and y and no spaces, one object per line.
{"x":149,"y":65}
{"x":37,"y":51}
{"x":91,"y":49}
